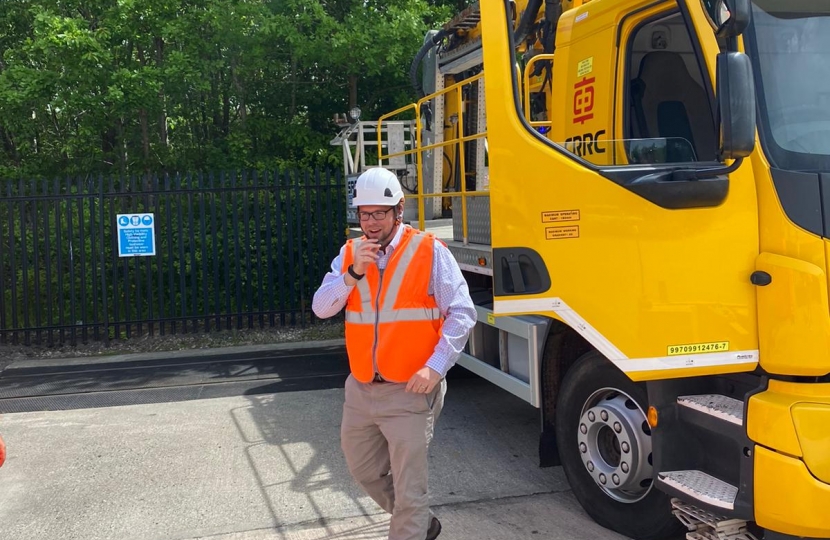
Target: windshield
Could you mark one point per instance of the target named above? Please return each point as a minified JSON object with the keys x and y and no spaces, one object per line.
{"x":789,"y":43}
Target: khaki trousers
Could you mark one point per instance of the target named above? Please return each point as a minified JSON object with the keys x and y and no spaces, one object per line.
{"x":385,"y":434}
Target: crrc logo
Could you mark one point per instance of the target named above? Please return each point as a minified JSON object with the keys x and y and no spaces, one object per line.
{"x":585,"y":145}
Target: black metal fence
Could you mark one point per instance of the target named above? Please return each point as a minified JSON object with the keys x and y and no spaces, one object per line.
{"x":238,"y":249}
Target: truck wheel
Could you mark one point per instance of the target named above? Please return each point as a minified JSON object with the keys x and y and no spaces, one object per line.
{"x":604,"y":443}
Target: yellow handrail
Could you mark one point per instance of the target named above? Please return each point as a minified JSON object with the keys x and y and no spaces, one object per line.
{"x":460,"y":140}
{"x":380,"y":131}
{"x":526,"y":80}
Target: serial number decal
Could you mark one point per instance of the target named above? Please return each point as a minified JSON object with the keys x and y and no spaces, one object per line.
{"x":695,"y":348}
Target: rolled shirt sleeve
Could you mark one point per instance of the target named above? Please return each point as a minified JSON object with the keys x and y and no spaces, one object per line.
{"x":331,"y":297}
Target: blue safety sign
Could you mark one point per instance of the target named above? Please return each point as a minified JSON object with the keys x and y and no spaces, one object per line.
{"x":136,"y":235}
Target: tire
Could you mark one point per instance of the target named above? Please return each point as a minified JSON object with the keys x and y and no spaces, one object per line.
{"x":601,"y":426}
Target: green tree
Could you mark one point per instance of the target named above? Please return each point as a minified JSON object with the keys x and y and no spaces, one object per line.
{"x":140,"y":86}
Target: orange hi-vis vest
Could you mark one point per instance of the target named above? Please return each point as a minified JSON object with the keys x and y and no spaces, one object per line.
{"x":392,"y":322}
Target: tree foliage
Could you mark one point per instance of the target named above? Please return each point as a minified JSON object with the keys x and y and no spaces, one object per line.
{"x":135,"y":86}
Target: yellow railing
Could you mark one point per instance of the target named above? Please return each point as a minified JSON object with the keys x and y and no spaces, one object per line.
{"x":528,"y":71}
{"x":419,"y":149}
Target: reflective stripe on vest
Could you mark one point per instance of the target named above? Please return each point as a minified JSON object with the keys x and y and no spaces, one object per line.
{"x":380,"y":337}
{"x":406,"y":314}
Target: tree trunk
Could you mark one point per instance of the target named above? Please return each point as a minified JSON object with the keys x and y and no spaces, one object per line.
{"x":59,"y":135}
{"x":11,"y":148}
{"x":240,"y":94}
{"x":226,"y":114}
{"x":145,"y":136}
{"x":205,"y":126}
{"x":108,"y":142}
{"x":214,"y":100}
{"x":163,"y":114}
{"x":352,"y":91}
{"x":226,"y":105}
{"x":142,"y":117}
{"x":292,"y":111}
{"x":122,"y":146}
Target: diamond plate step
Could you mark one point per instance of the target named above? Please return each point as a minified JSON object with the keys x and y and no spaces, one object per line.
{"x":704,"y":525}
{"x":723,"y":407}
{"x":702,"y":487}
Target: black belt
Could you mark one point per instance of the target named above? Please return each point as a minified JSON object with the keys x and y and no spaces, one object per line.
{"x":378,"y":378}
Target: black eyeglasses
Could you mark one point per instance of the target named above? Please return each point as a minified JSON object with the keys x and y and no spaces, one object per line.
{"x":379,"y":215}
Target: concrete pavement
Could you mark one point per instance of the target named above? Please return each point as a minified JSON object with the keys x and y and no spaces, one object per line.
{"x":269,"y":466}
{"x":549,"y":516}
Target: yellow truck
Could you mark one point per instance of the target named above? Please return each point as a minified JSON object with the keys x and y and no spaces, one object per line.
{"x":640,"y":200}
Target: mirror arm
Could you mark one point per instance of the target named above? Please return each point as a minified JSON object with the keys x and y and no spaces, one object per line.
{"x":684,"y":175}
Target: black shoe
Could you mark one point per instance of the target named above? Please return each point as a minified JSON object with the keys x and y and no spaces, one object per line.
{"x":434,"y":529}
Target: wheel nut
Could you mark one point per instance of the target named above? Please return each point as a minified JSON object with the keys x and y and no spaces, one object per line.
{"x":590,"y":466}
{"x":591,"y":416}
{"x":624,"y":467}
{"x":625,"y":447}
{"x":617,"y":427}
{"x":616,"y":479}
{"x":602,"y":478}
{"x":583,"y":448}
{"x":604,"y":416}
{"x":583,"y":429}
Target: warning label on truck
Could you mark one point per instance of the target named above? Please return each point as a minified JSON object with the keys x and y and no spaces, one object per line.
{"x":585,"y":67}
{"x":557,"y":233}
{"x":560,"y":215}
{"x":697,"y":348}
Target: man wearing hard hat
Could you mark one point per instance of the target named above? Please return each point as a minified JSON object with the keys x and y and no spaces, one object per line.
{"x":408,"y":317}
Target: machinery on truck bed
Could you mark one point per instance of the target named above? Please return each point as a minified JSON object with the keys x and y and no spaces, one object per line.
{"x":639,"y":200}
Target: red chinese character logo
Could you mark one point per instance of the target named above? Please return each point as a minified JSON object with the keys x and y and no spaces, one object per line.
{"x":584,"y":100}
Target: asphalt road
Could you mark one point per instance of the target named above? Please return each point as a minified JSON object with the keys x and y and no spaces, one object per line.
{"x":63,"y":384}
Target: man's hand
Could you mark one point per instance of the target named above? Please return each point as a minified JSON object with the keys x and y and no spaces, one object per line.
{"x":424,"y":381}
{"x":367,"y":254}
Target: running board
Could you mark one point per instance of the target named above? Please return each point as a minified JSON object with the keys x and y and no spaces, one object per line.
{"x":703,"y":525}
{"x":722,"y":407}
{"x":699,"y":486}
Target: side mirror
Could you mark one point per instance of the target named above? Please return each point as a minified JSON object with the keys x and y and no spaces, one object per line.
{"x":731,"y":17}
{"x":736,"y":105}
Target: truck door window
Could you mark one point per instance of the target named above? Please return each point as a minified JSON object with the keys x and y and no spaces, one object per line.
{"x":668,"y":116}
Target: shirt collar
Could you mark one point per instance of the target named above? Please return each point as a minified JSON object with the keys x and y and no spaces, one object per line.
{"x":396,"y":240}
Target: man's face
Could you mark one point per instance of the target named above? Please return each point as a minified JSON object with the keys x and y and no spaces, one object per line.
{"x":378,"y":229}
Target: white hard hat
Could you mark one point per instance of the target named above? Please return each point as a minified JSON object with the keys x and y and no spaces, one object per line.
{"x":377,"y":187}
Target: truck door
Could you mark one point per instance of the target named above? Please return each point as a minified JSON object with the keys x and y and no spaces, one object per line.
{"x":593,"y":224}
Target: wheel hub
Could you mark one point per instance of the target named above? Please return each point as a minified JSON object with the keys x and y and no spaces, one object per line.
{"x":615,"y":445}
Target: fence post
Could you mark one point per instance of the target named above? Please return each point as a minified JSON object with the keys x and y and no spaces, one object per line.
{"x":104,"y":292}
{"x":259,"y":252}
{"x":269,"y":260}
{"x":3,"y":289}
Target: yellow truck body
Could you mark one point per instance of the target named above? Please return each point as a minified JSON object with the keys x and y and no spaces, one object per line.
{"x":655,"y":250}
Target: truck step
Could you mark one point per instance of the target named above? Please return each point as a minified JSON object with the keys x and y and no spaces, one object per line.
{"x":699,"y":486}
{"x":723,"y":407}
{"x":703,"y":525}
